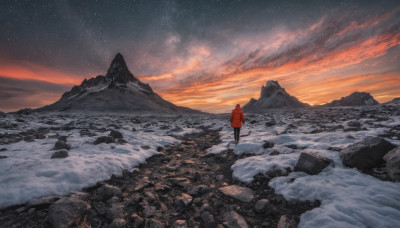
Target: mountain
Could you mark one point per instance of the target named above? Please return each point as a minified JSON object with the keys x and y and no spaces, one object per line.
{"x":273,"y":96}
{"x":354,"y":99}
{"x":119,"y":90}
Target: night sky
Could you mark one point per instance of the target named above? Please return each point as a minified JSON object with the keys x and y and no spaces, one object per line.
{"x":206,"y":55}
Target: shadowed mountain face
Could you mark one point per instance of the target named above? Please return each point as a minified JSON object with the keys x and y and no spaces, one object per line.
{"x":119,"y":90}
{"x":354,"y":99}
{"x":273,"y":96}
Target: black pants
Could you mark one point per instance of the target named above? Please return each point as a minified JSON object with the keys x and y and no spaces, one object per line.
{"x":236,"y":132}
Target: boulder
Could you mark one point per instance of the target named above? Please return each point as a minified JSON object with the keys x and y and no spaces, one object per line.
{"x":285,"y":222}
{"x":66,"y":211}
{"x":107,"y":191}
{"x":61,"y":145}
{"x":104,"y":139}
{"x":311,"y":163}
{"x":268,"y":145}
{"x":115,"y":211}
{"x":234,"y":220}
{"x":208,"y":220}
{"x":180,"y":224}
{"x":116,"y":134}
{"x":153,"y":223}
{"x":366,"y":154}
{"x":183,"y":201}
{"x":241,"y":193}
{"x":392,"y":159}
{"x":60,"y":154}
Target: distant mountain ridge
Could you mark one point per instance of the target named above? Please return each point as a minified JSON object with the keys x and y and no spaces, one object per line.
{"x":119,"y":90}
{"x":354,"y":99}
{"x":273,"y":96}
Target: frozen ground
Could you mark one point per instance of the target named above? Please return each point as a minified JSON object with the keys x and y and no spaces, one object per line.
{"x":27,"y":172}
{"x":348,"y":197}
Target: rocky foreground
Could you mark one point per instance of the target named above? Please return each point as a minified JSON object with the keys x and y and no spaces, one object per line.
{"x":182,"y":186}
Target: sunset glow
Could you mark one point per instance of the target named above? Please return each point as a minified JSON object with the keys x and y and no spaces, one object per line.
{"x":316,"y":60}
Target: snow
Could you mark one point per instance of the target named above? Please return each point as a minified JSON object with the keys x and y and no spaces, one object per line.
{"x":28,"y":172}
{"x":348,"y":197}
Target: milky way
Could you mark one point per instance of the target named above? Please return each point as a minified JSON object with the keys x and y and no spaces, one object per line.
{"x":206,"y":55}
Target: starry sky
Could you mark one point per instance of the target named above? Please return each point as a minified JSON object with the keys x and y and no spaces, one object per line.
{"x":206,"y":55}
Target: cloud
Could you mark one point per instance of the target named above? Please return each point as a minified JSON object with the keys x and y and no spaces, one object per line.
{"x":21,"y":93}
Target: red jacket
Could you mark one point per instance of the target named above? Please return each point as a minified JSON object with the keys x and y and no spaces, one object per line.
{"x":237,"y":117}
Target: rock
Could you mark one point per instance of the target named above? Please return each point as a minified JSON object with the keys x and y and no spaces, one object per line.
{"x":117,"y":223}
{"x":205,"y":207}
{"x":60,"y":154}
{"x":107,"y":191}
{"x":29,"y":138}
{"x":208,"y":219}
{"x":115,"y":211}
{"x":284,"y":222}
{"x":268,"y":145}
{"x":241,"y":193}
{"x":43,"y":202}
{"x":66,"y":211}
{"x":116,"y":134}
{"x":311,"y":163}
{"x":183,"y":201}
{"x":366,"y":154}
{"x":104,"y":139}
{"x":270,"y":123}
{"x":137,"y":221}
{"x":100,"y":207}
{"x":234,"y":220}
{"x":31,"y":211}
{"x":145,"y":147}
{"x":261,"y":205}
{"x":61,"y":145}
{"x":392,"y":159}
{"x":153,"y":223}
{"x":2,"y":157}
{"x":179,"y":224}
{"x":149,"y":211}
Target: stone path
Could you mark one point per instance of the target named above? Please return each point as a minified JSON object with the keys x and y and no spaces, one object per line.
{"x":183,"y":186}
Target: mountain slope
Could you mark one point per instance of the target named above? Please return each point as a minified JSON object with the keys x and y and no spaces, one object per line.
{"x":119,"y":90}
{"x":354,"y":99}
{"x":273,"y":96}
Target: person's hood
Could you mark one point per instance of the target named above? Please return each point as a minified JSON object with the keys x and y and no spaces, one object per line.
{"x":238,"y":107}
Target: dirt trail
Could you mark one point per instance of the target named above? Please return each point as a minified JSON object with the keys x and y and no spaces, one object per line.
{"x":178,"y":187}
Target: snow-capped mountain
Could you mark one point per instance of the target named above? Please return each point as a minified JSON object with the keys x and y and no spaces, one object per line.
{"x":119,"y":90}
{"x":354,"y":99}
{"x":273,"y":96}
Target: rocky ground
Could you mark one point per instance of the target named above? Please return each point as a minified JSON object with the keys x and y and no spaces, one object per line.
{"x":182,"y":186}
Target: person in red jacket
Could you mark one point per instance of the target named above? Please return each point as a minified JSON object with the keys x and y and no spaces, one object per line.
{"x":237,"y":118}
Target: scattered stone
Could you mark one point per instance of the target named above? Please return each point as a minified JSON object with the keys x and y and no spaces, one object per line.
{"x":118,"y":223}
{"x":392,"y":159}
{"x":270,"y":123}
{"x":61,"y":145}
{"x":104,"y":139}
{"x":107,"y":191}
{"x":3,"y":149}
{"x":66,"y":211}
{"x":60,"y":154}
{"x":311,"y":163}
{"x":262,"y":205}
{"x":241,"y":193}
{"x":366,"y":154}
{"x":234,"y":220}
{"x":145,"y":147}
{"x":116,"y":211}
{"x":153,"y":223}
{"x":284,"y":222}
{"x":149,"y":211}
{"x":183,"y":201}
{"x":100,"y":207}
{"x":2,"y":157}
{"x":116,"y":134}
{"x":180,"y":224}
{"x":268,"y":145}
{"x":208,"y":219}
{"x":137,"y":220}
{"x":29,"y":138}
{"x":31,"y":211}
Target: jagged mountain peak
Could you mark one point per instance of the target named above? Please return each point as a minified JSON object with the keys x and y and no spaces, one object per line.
{"x":354,"y":99}
{"x":118,"y":71}
{"x":273,"y":96}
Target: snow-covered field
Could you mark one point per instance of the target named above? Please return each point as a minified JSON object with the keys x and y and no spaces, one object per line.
{"x":348,"y":197}
{"x":28,"y":172}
